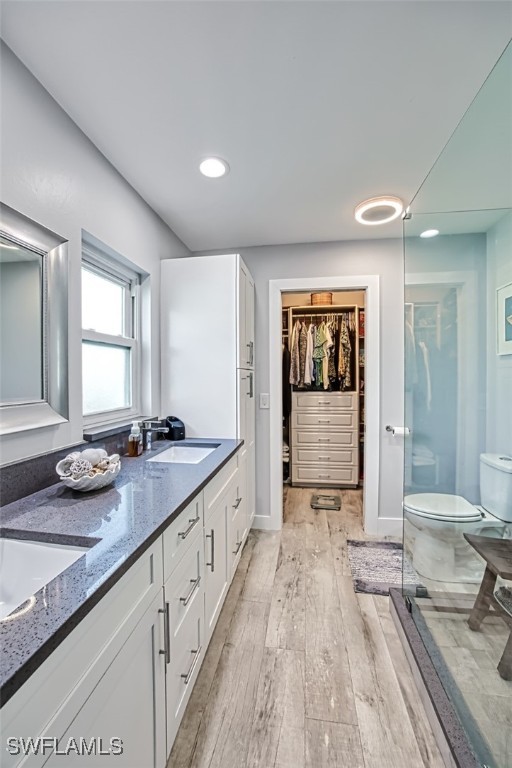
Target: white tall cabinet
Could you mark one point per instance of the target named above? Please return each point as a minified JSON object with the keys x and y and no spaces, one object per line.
{"x":208,"y":355}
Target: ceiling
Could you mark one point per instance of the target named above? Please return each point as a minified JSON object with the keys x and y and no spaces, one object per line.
{"x":315,"y":105}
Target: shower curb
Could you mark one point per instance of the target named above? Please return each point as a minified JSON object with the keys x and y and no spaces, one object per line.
{"x":451,"y":738}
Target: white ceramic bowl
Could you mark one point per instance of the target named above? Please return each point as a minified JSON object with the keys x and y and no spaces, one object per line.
{"x":99,"y":480}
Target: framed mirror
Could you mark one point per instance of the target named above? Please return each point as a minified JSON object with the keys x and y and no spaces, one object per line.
{"x":33,"y":324}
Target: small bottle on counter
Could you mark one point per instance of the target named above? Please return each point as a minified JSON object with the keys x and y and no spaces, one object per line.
{"x":135,"y":440}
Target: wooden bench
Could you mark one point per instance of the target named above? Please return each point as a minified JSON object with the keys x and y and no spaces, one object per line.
{"x":497,"y":554}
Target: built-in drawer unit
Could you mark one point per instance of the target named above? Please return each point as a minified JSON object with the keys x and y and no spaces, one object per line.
{"x":185,"y":585}
{"x":324,"y":438}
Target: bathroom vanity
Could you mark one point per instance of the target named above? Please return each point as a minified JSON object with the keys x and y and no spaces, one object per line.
{"x":109,"y":650}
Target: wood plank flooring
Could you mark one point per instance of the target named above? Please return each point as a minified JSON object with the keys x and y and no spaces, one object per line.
{"x":302,"y":672}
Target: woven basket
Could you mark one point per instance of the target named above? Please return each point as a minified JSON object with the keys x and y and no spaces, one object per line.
{"x":321,"y":298}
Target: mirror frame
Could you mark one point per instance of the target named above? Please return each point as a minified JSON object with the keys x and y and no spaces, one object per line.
{"x":54,"y":408}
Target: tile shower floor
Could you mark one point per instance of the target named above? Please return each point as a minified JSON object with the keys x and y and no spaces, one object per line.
{"x":471,"y":659}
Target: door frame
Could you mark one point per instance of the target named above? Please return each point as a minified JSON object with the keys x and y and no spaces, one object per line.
{"x":370,"y":284}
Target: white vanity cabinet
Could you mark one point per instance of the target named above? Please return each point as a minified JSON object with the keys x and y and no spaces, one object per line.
{"x":105,"y":680}
{"x":127,"y":671}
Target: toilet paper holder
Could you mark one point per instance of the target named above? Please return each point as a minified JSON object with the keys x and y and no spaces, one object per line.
{"x":398,"y":431}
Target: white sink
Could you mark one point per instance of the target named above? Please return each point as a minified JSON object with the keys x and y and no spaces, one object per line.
{"x":184,"y":454}
{"x":27,"y":566}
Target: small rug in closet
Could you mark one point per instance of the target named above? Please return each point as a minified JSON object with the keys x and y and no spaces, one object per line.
{"x":377,"y":565}
{"x":324,"y":501}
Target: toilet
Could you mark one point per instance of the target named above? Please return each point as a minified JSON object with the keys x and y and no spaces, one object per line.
{"x":434,"y":524}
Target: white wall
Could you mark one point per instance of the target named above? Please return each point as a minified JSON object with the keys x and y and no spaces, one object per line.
{"x":499,"y":367}
{"x":53,"y":174}
{"x":376,"y":257}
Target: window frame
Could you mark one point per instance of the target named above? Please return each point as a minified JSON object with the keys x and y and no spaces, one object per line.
{"x":109,"y":268}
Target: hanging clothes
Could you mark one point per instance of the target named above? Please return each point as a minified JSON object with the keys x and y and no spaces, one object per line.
{"x":294,"y":354}
{"x":319,"y":353}
{"x":309,"y":367}
{"x":325,"y":360}
{"x":303,"y":343}
{"x":344,"y":354}
{"x":331,"y":371}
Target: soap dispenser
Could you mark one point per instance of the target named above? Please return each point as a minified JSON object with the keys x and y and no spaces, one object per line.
{"x":135,"y":440}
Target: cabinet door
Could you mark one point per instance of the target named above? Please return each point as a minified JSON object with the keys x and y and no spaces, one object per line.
{"x":245,"y":318}
{"x":127,"y":704}
{"x":216,"y":561}
{"x":246,"y":408}
{"x":249,"y":318}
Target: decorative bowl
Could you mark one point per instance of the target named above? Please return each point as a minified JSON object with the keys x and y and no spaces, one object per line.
{"x":89,"y":470}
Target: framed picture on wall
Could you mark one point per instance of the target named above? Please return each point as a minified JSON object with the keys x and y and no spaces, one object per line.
{"x":504,"y":319}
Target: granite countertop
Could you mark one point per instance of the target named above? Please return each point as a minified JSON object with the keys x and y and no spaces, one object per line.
{"x":117,"y":523}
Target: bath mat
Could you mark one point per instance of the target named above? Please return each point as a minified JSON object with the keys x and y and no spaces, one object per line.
{"x":377,"y":565}
{"x":323,"y":501}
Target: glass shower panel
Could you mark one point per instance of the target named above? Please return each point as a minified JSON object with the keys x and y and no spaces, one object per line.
{"x":458,"y":450}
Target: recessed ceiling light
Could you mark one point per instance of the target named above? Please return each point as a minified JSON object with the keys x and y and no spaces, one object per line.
{"x":378,"y":210}
{"x":214,"y":167}
{"x":430,"y":233}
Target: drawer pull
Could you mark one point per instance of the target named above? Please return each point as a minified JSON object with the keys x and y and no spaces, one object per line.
{"x":167,"y":633}
{"x":237,"y":550}
{"x":193,"y":523}
{"x":212,"y":537}
{"x":235,"y":506}
{"x":324,"y":402}
{"x":324,"y":458}
{"x":186,"y":677}
{"x":324,"y":439}
{"x":195,"y":584}
{"x":324,"y":421}
{"x":324,"y":476}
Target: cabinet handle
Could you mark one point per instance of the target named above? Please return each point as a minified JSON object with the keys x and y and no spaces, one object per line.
{"x":324,"y":421}
{"x":167,"y":633}
{"x":237,"y":550}
{"x":193,"y":522}
{"x":324,"y":458}
{"x":195,"y":585}
{"x":324,"y":402}
{"x":235,"y":506}
{"x":324,"y":476}
{"x":251,"y":390}
{"x":186,"y":677}
{"x":212,"y":537}
{"x":324,"y":439}
{"x":251,"y":352}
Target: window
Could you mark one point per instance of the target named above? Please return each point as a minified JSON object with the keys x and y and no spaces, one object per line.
{"x":110,"y":339}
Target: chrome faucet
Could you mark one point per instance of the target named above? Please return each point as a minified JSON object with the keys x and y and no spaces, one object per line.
{"x":148,"y":427}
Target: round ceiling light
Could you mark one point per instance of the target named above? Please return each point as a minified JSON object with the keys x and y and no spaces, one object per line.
{"x":214,"y":167}
{"x":378,"y":210}
{"x":429,"y":233}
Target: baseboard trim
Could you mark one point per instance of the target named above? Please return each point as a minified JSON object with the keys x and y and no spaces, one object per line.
{"x":265,"y":523}
{"x":448,"y":732}
{"x":386,"y":526}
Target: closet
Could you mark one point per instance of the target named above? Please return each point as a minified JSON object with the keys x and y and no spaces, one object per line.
{"x":323,"y":369}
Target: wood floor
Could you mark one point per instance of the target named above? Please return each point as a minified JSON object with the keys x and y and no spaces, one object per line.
{"x":301,"y":672}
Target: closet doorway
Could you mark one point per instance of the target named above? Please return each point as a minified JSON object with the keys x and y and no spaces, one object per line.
{"x":323,"y":389}
{"x":341,"y":393}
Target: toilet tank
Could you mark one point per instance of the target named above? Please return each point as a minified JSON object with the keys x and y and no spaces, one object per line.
{"x":496,"y":485}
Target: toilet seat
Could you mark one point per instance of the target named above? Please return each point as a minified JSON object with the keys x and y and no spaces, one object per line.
{"x":444,"y":507}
